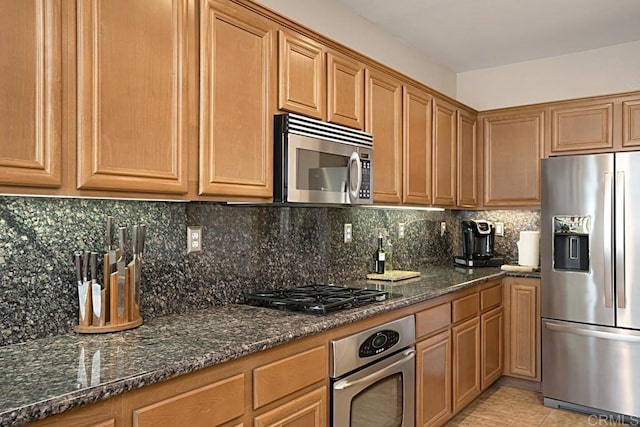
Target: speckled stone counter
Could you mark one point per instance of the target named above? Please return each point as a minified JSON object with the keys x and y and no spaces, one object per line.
{"x":51,"y":375}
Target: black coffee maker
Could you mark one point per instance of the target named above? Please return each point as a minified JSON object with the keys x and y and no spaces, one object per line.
{"x":477,"y":244}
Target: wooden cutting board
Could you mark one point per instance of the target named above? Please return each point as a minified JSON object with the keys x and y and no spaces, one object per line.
{"x":394,"y":275}
{"x":520,"y":268}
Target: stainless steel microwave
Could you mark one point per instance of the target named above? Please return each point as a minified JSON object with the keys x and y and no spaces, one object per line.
{"x":318,"y":162}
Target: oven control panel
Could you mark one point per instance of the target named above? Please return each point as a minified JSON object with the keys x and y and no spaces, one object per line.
{"x":378,"y":342}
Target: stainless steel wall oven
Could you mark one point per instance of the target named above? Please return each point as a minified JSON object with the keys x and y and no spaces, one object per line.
{"x":373,"y":377}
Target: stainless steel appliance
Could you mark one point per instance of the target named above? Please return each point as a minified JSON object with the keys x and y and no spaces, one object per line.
{"x":316,"y":299}
{"x":318,"y":162}
{"x":590,"y":283}
{"x":478,"y":237}
{"x":372,"y":377}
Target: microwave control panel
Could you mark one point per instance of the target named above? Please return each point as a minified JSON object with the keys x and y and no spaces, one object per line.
{"x":365,"y":187}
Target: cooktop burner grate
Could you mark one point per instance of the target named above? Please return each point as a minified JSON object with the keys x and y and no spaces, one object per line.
{"x":316,"y":299}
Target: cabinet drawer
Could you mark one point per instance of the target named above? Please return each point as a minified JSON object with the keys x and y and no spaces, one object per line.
{"x":212,"y":404}
{"x":283,"y":377}
{"x":491,"y":297}
{"x":433,"y":319}
{"x":465,"y":308}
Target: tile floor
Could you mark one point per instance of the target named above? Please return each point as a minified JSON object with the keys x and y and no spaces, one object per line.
{"x":501,"y":405}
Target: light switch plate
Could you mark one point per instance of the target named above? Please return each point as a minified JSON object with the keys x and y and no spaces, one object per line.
{"x":194,"y":239}
{"x":348,"y":233}
{"x":499,"y":228}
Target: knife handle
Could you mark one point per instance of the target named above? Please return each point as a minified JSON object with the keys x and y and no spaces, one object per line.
{"x":143,"y":235}
{"x":78,"y":263}
{"x":134,"y":237}
{"x":94,"y":266}
{"x":109,"y":232}
{"x":122,"y":240}
{"x":85,"y":265}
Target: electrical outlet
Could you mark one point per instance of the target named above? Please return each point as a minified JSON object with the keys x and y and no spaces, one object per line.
{"x":443,"y":228}
{"x":348,"y":233}
{"x":499,"y":228}
{"x":194,"y":239}
{"x":401,"y":230}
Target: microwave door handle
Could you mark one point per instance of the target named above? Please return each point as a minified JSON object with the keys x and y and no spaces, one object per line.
{"x":354,"y":192}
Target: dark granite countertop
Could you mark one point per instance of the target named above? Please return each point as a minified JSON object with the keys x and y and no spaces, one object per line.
{"x":43,"y":377}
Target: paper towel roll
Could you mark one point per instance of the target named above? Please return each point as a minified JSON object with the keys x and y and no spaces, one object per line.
{"x":529,"y":248}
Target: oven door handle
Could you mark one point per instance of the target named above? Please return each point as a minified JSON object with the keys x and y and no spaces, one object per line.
{"x":344,"y":384}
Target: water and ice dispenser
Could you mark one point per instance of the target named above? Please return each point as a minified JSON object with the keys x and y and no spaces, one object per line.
{"x":571,"y":242}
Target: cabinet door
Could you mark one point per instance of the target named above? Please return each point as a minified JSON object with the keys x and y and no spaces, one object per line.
{"x":433,"y":382}
{"x":236,"y":112}
{"x":309,"y":410}
{"x":30,"y":93}
{"x":444,"y":154}
{"x":466,"y":363}
{"x":301,"y":75}
{"x":512,"y":152}
{"x":417,"y":146}
{"x":523,"y":323}
{"x":384,"y":122}
{"x":582,"y":127}
{"x":492,"y":332}
{"x":132,"y":95}
{"x":467,"y":160}
{"x":631,"y":123}
{"x":345,"y":91}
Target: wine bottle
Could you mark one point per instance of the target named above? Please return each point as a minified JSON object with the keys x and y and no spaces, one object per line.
{"x":380,"y":256}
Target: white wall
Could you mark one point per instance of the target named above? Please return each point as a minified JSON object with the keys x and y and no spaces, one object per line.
{"x":335,"y":21}
{"x":602,"y":71}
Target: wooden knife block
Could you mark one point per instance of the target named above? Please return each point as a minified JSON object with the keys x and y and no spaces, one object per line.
{"x":110,"y":321}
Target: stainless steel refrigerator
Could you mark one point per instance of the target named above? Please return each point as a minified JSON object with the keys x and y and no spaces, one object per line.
{"x":590,"y":289}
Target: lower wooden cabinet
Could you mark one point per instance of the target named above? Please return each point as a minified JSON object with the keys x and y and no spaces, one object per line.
{"x":466,"y":363}
{"x":492,"y":332}
{"x":309,"y":410}
{"x":522,"y":334}
{"x":433,"y":382}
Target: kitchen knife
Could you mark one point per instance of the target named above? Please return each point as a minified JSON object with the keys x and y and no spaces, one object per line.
{"x":82,"y":289}
{"x":133,"y":273}
{"x":96,"y":289}
{"x":121,"y":265}
{"x":110,"y":251}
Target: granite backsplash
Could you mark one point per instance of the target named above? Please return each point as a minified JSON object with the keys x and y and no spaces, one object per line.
{"x":245,"y":248}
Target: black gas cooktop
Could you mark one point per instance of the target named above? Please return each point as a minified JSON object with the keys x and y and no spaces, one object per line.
{"x":316,"y":299}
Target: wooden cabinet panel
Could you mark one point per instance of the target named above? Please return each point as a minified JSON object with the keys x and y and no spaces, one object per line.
{"x":631,"y":123}
{"x":301,"y":75}
{"x":278,"y":379}
{"x":132,"y":95}
{"x":106,"y":413}
{"x":490,"y":297}
{"x":30,"y":93}
{"x":212,"y":404}
{"x":581,"y":127}
{"x":309,"y":410}
{"x":433,"y":319}
{"x":345,"y":91}
{"x":466,"y":363}
{"x":417,"y":146}
{"x":384,"y":122}
{"x":492,"y":331}
{"x":444,"y":154}
{"x":236,"y":93}
{"x":465,"y":307}
{"x":467,"y":160}
{"x":512,"y":152}
{"x":523,"y":328}
{"x":433,"y":382}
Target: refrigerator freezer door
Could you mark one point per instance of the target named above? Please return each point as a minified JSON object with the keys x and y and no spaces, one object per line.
{"x":627,"y":245}
{"x":578,"y":186}
{"x":593,"y":366}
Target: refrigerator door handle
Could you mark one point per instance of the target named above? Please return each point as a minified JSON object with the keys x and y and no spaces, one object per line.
{"x":608,"y":229}
{"x":591,"y":332}
{"x":620,"y":243}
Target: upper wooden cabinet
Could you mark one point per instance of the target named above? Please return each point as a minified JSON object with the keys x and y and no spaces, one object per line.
{"x":237,"y":85}
{"x":582,"y":126}
{"x":132,"y":95}
{"x":417,"y":146}
{"x":301,"y":75}
{"x":631,"y":123}
{"x":444,"y":153}
{"x":467,"y":160}
{"x":30,"y":93}
{"x":345,"y":91}
{"x":513,"y":144}
{"x":384,"y":122}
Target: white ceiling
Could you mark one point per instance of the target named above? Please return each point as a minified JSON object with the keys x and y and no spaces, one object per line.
{"x":466,"y":35}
